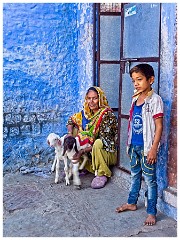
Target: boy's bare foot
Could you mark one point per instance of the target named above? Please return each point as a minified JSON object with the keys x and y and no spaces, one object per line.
{"x":150,"y":220}
{"x":126,"y":207}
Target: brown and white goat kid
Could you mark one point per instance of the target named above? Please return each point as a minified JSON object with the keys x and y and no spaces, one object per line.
{"x":57,"y":142}
{"x":71,"y":147}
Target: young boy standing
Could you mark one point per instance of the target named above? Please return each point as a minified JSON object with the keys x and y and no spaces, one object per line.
{"x":144,"y":134}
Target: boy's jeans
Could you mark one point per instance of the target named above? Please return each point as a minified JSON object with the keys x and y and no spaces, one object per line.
{"x":139,"y":167}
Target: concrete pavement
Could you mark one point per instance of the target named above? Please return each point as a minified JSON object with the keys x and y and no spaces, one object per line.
{"x":36,"y":207}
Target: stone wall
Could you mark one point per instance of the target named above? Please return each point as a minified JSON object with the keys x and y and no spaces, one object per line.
{"x":172,"y":153}
{"x":167,"y":75}
{"x":48,"y":65}
{"x":167,"y":160}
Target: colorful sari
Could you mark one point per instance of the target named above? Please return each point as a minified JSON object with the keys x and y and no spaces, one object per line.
{"x":101,"y":131}
{"x":88,"y":123}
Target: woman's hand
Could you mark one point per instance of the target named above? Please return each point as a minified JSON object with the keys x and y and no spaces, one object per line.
{"x":70,"y":131}
{"x":77,"y":156}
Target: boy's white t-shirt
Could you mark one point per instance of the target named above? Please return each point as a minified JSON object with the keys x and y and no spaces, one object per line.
{"x":152,"y":109}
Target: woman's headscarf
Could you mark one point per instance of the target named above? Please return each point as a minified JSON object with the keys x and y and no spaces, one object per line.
{"x":86,"y":121}
{"x":103,"y":102}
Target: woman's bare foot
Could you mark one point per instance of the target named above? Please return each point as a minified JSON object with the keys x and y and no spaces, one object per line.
{"x":150,"y":220}
{"x":126,"y":207}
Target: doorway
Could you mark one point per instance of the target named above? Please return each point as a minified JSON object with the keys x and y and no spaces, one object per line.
{"x":126,"y":34}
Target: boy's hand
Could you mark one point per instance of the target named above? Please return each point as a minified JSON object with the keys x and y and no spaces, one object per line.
{"x":152,"y":155}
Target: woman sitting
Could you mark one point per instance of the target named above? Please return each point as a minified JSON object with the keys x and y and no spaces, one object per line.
{"x":96,"y":124}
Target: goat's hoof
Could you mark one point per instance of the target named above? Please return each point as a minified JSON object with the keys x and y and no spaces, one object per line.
{"x":78,"y":187}
{"x":56,"y":181}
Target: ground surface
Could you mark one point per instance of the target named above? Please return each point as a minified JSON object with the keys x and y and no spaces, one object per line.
{"x":36,"y":207}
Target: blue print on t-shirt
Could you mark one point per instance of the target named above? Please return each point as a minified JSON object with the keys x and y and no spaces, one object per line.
{"x":137,"y":126}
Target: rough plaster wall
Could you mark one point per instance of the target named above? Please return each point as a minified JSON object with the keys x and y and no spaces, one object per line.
{"x":168,"y":30}
{"x":172,"y":153}
{"x":43,"y":45}
{"x":85,"y":50}
{"x":167,"y":74}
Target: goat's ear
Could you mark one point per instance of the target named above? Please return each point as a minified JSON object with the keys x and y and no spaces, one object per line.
{"x":65,"y":149}
{"x":48,"y":142}
{"x":64,"y":152}
{"x":75,"y":147}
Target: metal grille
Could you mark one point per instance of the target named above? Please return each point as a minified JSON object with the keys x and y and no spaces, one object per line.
{"x":110,"y":7}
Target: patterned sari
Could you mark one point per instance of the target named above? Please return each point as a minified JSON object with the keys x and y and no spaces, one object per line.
{"x":101,"y":131}
{"x":88,"y":123}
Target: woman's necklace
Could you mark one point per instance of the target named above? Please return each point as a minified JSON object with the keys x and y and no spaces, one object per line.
{"x":96,"y":114}
{"x":94,"y":119}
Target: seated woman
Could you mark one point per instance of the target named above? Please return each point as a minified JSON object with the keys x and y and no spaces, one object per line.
{"x":96,"y":124}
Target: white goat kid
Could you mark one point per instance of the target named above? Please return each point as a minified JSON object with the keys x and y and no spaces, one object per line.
{"x":71,"y":147}
{"x":57,"y":142}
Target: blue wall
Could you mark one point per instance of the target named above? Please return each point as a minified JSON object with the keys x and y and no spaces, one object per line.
{"x":167,"y":75}
{"x":47,"y":69}
{"x":168,"y":30}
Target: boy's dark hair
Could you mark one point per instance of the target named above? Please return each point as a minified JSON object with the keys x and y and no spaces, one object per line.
{"x":146,"y":69}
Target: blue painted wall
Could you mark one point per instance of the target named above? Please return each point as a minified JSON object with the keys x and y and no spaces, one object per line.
{"x":168,"y":31}
{"x":47,"y":69}
{"x":167,"y":75}
{"x":48,"y":66}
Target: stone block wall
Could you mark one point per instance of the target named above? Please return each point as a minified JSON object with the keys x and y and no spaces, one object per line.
{"x":47,"y":67}
{"x":172,"y":153}
{"x":167,"y":160}
{"x":167,"y":76}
